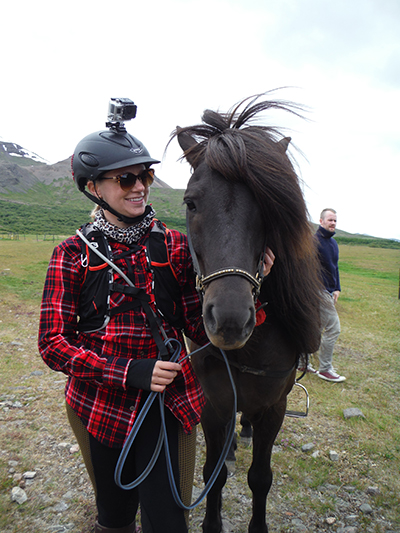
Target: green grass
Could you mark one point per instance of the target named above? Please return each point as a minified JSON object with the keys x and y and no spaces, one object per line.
{"x":23,"y":269}
{"x":367,"y":353}
{"x":369,"y":305}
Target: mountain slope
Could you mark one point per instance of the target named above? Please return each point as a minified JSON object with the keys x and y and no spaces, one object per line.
{"x":14,"y":178}
{"x":36,"y":197}
{"x":21,"y":156}
{"x":21,"y":169}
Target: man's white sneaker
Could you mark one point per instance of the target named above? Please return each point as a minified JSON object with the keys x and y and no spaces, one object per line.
{"x":331,"y":375}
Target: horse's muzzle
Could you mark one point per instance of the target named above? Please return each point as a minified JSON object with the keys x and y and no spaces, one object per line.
{"x":228,"y":328}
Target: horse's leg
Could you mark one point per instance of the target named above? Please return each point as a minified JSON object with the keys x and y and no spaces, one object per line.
{"x":231,"y":457}
{"x":215,"y":435}
{"x":265,"y":431}
{"x":247,"y":431}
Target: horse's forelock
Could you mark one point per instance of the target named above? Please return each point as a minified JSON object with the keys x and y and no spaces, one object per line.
{"x":226,"y":153}
{"x":241,"y":151}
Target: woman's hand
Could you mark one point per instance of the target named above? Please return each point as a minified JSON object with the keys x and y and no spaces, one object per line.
{"x":164,"y":373}
{"x":269,"y":259}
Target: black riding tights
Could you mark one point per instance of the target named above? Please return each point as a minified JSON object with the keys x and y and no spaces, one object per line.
{"x":118,"y":507}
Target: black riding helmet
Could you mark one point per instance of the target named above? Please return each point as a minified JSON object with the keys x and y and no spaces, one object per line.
{"x":106,"y":150}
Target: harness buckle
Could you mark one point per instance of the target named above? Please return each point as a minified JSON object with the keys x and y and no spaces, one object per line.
{"x":199,"y":284}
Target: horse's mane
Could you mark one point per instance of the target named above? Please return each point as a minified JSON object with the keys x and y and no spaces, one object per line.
{"x":256,"y":155}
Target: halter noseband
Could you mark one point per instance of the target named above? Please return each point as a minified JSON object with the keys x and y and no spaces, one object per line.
{"x":202,"y":281}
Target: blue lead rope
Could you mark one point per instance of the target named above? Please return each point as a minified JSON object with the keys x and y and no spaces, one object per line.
{"x":163,"y":439}
{"x":221,"y":461}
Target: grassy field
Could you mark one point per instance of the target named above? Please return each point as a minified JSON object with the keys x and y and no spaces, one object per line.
{"x":368,"y":355}
{"x":32,"y":421}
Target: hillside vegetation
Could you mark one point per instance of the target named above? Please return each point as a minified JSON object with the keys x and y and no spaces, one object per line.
{"x":59,"y":209}
{"x":41,"y":199}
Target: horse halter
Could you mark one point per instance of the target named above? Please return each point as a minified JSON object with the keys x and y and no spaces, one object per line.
{"x":203,"y":281}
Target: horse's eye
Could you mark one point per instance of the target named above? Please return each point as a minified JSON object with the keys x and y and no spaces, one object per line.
{"x":190,"y":205}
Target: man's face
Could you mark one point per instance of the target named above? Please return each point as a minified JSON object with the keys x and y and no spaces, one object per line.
{"x":329,"y":221}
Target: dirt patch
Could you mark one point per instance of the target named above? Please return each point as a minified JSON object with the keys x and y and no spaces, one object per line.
{"x":311,"y":491}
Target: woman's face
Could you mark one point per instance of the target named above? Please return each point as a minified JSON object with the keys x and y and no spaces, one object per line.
{"x":130,"y":203}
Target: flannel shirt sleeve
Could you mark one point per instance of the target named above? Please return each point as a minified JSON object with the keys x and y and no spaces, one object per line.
{"x":59,"y":345}
{"x":182,"y":265}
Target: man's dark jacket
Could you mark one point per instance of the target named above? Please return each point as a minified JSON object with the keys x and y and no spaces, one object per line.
{"x":328,"y":251}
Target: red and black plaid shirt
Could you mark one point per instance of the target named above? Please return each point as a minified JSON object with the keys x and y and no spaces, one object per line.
{"x":97,"y":363}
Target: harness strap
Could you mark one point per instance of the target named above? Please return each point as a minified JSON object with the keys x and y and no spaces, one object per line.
{"x":255,"y":371}
{"x":126,"y":306}
{"x":196,"y":266}
{"x":155,"y":326}
{"x":131,"y":291}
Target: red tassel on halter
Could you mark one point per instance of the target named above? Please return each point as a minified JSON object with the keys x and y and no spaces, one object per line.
{"x":260,"y":315}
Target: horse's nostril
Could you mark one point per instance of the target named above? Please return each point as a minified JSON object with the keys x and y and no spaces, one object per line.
{"x":250,"y":322}
{"x":209,"y":317}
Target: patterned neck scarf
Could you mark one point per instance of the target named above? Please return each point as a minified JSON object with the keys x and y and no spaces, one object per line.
{"x":129,"y":235}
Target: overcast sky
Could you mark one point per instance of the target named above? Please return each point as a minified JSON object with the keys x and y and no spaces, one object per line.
{"x":61,"y":63}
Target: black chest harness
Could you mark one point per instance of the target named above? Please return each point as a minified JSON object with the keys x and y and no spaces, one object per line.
{"x":97,"y":258}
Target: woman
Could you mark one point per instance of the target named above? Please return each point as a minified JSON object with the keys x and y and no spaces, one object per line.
{"x":112,"y":369}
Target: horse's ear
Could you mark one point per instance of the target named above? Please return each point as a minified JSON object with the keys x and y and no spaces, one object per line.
{"x":284,"y":143}
{"x":188,"y":145}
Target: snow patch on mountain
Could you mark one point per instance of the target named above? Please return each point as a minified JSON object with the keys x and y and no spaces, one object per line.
{"x":15,"y":150}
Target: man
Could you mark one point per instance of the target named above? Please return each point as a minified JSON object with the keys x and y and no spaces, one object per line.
{"x":328,"y":251}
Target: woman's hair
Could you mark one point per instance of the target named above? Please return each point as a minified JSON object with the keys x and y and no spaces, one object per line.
{"x":97,"y":207}
{"x":94,"y":211}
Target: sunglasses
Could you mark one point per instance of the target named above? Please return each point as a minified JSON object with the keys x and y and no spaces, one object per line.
{"x":128,"y":180}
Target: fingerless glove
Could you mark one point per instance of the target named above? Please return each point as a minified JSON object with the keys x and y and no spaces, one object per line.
{"x":140,"y":372}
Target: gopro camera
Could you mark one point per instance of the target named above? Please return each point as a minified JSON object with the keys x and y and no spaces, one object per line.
{"x":119,"y":111}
